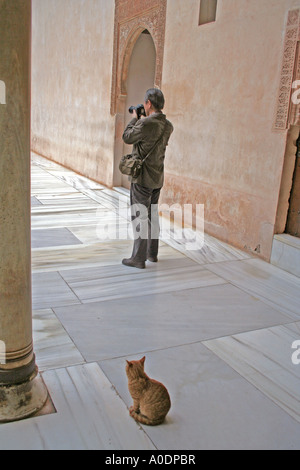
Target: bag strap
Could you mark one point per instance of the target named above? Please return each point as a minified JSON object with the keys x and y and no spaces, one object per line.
{"x":156,"y":144}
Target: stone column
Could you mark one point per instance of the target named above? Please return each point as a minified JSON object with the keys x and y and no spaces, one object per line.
{"x":22,"y":391}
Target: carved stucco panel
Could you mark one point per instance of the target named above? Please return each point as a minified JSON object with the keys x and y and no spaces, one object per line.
{"x":127,"y":30}
{"x":285,"y":114}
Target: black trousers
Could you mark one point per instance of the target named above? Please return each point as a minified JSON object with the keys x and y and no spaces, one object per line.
{"x":145,"y":221}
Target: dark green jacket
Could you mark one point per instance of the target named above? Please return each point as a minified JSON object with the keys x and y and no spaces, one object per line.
{"x":143,"y":134}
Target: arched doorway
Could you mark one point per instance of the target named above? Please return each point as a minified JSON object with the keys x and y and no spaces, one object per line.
{"x":138,"y":75}
{"x":287,"y":220}
{"x":293,"y":217}
{"x":288,"y":118}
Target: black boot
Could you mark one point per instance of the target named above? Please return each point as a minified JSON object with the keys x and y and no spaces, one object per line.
{"x":134,"y":264}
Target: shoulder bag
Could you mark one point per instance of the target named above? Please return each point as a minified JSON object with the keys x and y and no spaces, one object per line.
{"x":131,"y":164}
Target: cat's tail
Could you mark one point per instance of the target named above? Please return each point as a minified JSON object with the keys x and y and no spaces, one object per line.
{"x":145,"y":420}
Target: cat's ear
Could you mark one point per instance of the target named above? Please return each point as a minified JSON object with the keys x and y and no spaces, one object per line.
{"x":142,"y":361}
{"x":129,"y":363}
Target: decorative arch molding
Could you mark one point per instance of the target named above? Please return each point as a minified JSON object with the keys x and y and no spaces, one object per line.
{"x":132,"y":17}
{"x":132,"y":38}
{"x":287,"y":111}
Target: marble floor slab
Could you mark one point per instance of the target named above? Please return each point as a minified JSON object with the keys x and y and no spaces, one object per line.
{"x":274,"y":286}
{"x":264,"y":358}
{"x":215,"y":328}
{"x":202,"y":248}
{"x":107,"y":329}
{"x":90,"y":253}
{"x":82,"y":256}
{"x":35,"y":201}
{"x":70,"y":199}
{"x":213,"y":407}
{"x":77,"y":181}
{"x":47,"y":190}
{"x":107,"y":229}
{"x":90,"y":415}
{"x":39,"y":177}
{"x":53,"y":237}
{"x":125,"y":284}
{"x":118,"y":203}
{"x":42,"y":163}
{"x":50,"y":290}
{"x":286,"y":253}
{"x":47,"y":218}
{"x":167,"y":262}
{"x":124,"y":191}
{"x":66,"y":205}
{"x":52,"y":345}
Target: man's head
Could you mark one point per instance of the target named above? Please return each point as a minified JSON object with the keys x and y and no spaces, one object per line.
{"x":154,"y":101}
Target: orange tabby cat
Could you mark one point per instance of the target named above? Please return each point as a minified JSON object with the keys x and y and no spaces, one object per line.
{"x":151,"y":400}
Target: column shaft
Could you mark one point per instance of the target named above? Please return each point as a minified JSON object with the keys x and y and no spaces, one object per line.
{"x":15,"y":250}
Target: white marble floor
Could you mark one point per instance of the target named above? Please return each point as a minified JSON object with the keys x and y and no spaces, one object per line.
{"x":216,"y":327}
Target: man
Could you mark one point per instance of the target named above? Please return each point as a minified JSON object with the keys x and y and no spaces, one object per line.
{"x":145,"y":190}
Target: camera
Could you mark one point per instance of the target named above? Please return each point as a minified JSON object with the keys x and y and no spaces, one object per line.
{"x":140,"y":110}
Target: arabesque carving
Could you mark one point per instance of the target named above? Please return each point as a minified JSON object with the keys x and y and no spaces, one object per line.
{"x":286,"y":111}
{"x":131,"y":18}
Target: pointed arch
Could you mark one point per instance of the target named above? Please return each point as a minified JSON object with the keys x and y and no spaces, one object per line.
{"x":131,"y":42}
{"x":130,"y":21}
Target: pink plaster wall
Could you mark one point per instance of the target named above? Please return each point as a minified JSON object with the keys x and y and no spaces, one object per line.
{"x":221,"y":84}
{"x":72,"y":53}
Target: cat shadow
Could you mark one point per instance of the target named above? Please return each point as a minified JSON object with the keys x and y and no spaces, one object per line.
{"x":168,"y":421}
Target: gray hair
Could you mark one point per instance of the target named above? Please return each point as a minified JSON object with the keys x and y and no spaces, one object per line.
{"x":156,"y":97}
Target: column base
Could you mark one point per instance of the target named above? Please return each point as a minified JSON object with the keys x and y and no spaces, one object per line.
{"x":22,"y":400}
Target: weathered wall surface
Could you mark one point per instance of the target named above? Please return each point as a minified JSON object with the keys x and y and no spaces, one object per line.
{"x":72,"y":48}
{"x":221,"y":84}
